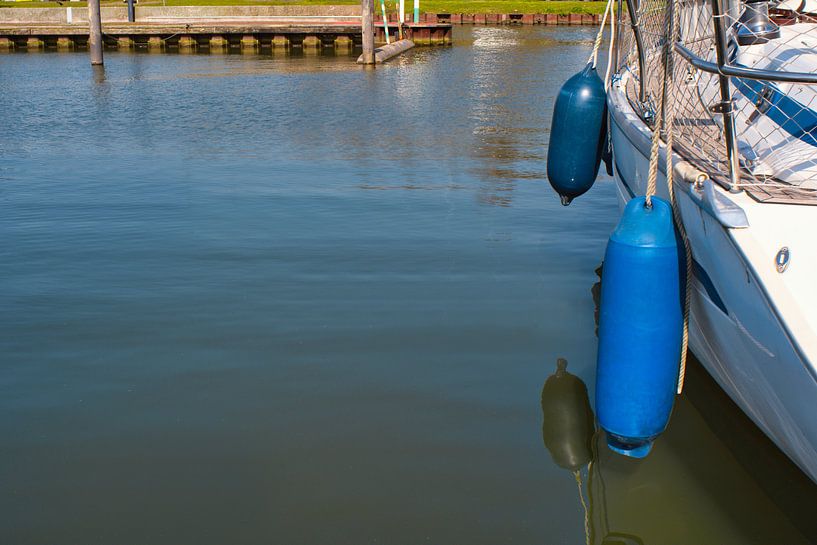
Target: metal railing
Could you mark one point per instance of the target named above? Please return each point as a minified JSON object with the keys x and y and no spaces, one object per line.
{"x":707,"y":131}
{"x":743,"y":72}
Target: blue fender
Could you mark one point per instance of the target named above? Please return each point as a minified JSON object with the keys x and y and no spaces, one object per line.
{"x":577,"y":135}
{"x":640,"y":327}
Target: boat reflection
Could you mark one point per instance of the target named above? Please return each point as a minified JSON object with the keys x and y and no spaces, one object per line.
{"x":689,"y":489}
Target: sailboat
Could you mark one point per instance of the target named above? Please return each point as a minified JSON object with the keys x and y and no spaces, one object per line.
{"x":733,"y":84}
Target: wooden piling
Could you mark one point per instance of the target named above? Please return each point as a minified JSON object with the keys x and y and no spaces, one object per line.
{"x":99,"y":73}
{"x":156,"y":43}
{"x":218,"y":43}
{"x":125,"y":42}
{"x":95,"y":33}
{"x":367,"y":7}
{"x":311,"y":42}
{"x":64,"y":42}
{"x":343,"y":42}
{"x":187,"y":43}
{"x":249,"y":41}
{"x":34,"y":43}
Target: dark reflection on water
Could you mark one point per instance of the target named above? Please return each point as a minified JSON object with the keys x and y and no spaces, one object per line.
{"x":273,"y":299}
{"x":690,"y":489}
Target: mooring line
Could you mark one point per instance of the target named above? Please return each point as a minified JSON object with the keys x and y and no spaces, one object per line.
{"x":666,"y":107}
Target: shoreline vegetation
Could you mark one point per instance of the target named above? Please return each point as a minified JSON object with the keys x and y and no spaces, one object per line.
{"x":468,"y":7}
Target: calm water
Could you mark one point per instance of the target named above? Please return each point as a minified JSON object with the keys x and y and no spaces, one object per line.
{"x":257,"y":299}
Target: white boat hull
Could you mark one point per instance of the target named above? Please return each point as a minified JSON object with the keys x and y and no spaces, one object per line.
{"x":737,"y":329}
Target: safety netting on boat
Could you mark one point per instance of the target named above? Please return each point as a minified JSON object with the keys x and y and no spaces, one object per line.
{"x":770,"y":149}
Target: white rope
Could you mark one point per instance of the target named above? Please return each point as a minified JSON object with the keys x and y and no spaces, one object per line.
{"x":610,"y":50}
{"x":666,"y":106}
{"x":594,"y":56}
{"x":652,"y":171}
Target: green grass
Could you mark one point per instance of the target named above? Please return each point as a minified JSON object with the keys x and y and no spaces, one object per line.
{"x":432,"y":6}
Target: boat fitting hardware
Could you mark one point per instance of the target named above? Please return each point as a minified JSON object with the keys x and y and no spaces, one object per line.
{"x":755,"y":26}
{"x":724,"y":107}
{"x":782,"y":258}
{"x":763,"y":104}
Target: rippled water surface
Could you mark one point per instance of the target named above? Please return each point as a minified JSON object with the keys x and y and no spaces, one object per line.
{"x":281,"y":299}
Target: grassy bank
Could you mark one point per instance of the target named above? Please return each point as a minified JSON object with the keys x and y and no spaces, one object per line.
{"x":432,"y":6}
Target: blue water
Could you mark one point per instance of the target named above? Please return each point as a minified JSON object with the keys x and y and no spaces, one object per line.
{"x":282,"y":299}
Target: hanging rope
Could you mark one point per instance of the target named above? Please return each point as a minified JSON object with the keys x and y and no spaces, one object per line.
{"x":666,"y":107}
{"x":610,"y":49}
{"x":652,"y":172}
{"x":578,"y":476}
{"x":594,"y":56}
{"x":676,"y":211}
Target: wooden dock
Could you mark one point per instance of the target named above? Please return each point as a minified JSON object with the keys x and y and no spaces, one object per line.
{"x":185,"y":29}
{"x":209,"y":35}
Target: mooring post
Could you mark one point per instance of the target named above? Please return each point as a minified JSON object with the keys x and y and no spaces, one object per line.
{"x":95,"y":34}
{"x":367,"y":7}
{"x":385,"y":20}
{"x":99,"y":73}
{"x":131,"y":11}
{"x":401,"y":18}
